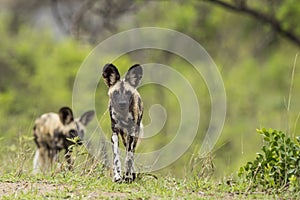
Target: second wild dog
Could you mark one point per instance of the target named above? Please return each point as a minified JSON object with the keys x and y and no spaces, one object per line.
{"x":53,"y":132}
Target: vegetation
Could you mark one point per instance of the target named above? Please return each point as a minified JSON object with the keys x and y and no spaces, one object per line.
{"x":91,"y":180}
{"x":278,"y":168}
{"x":42,"y":46}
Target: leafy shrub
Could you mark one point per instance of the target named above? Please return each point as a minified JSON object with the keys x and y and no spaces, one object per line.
{"x":278,"y":167}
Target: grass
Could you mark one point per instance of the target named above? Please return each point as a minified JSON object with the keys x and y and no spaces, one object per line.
{"x":69,"y":185}
{"x":90,"y":180}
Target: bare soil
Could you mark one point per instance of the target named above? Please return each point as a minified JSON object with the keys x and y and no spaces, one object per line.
{"x":42,"y":189}
{"x":9,"y":188}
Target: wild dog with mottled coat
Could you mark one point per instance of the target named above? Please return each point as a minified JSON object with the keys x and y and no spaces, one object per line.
{"x":126,"y":111}
{"x":53,"y":132}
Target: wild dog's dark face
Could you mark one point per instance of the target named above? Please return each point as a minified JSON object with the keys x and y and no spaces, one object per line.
{"x":71,"y":128}
{"x":121,"y":97}
{"x":122,"y":93}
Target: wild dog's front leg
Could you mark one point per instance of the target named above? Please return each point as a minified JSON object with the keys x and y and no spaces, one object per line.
{"x":69,"y":159}
{"x":116,"y":157}
{"x":129,"y":160}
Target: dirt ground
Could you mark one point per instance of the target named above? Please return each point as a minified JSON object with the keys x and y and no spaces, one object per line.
{"x":42,"y":189}
{"x":9,"y":188}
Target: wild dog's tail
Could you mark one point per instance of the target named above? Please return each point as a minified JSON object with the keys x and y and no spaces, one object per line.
{"x":141,"y":134}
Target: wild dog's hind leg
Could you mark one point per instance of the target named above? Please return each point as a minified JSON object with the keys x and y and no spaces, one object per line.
{"x":36,"y":162}
{"x":41,"y":160}
{"x":116,"y":157}
{"x":129,"y":160}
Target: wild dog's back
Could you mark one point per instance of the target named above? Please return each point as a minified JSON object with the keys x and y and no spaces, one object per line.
{"x":44,"y":128}
{"x":43,"y":131}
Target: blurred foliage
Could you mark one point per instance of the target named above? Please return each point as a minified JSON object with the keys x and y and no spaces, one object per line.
{"x":278,"y":168}
{"x":37,"y":75}
{"x":38,"y":66}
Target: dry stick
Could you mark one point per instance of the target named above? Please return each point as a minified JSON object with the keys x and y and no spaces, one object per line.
{"x":295,"y":125}
{"x":290,"y":92}
{"x":57,"y":16}
{"x":288,"y":115}
{"x":262,"y":17}
{"x":251,"y":181}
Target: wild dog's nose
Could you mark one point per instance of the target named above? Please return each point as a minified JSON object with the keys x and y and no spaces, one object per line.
{"x":122,"y":104}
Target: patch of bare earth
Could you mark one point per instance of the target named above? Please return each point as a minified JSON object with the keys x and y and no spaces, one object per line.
{"x":44,"y":188}
{"x":9,"y":188}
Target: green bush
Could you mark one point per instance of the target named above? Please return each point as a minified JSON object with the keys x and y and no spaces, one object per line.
{"x":278,"y":167}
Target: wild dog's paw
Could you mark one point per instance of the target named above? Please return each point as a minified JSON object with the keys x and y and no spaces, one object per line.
{"x":129,"y":178}
{"x":133,"y":176}
{"x":117,"y":178}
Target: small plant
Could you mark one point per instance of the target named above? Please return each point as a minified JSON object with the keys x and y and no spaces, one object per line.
{"x":278,"y":168}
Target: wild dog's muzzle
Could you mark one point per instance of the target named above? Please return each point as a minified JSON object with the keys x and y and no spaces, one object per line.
{"x":123,"y":105}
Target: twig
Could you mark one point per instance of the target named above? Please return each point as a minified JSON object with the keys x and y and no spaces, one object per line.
{"x":290,"y":93}
{"x":272,"y":21}
{"x":57,"y":16}
{"x":292,"y":83}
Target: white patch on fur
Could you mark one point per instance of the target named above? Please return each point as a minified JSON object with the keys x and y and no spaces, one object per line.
{"x":116,"y":167}
{"x":36,"y":164}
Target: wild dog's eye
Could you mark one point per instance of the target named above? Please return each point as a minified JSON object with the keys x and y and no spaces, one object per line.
{"x":116,"y":92}
{"x":128,"y":93}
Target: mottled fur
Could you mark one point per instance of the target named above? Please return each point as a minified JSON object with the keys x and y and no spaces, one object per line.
{"x":126,"y":111}
{"x":52,"y":132}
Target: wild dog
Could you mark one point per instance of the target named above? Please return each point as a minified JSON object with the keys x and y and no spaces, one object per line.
{"x":54,"y":132}
{"x":126,"y":111}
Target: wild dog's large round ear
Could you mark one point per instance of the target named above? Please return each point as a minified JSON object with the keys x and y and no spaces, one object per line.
{"x":66,"y":115}
{"x":86,"y":117}
{"x":134,"y":75}
{"x":110,"y":74}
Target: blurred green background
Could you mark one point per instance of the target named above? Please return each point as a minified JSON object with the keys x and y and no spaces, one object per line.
{"x":253,"y":43}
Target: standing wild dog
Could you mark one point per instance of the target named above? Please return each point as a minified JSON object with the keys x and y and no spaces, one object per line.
{"x":52,"y":133}
{"x":126,"y":111}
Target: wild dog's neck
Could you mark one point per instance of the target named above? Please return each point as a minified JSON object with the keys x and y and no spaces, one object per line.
{"x":121,"y":120}
{"x":124,"y":116}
